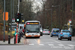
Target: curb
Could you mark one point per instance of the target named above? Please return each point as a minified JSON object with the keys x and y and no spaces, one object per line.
{"x":11,"y":42}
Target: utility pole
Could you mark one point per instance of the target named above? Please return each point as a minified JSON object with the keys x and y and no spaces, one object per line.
{"x":11,"y":15}
{"x":4,"y":22}
{"x":59,"y":16}
{"x":72,"y":10}
{"x":13,"y":8}
{"x":51,"y":18}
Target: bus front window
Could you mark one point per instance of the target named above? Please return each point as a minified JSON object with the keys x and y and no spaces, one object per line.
{"x":32,"y":28}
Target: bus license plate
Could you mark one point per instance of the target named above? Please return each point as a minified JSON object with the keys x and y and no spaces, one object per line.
{"x":32,"y":35}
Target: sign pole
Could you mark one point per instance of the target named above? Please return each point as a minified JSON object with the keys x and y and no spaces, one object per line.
{"x":17,"y":33}
{"x":4,"y":23}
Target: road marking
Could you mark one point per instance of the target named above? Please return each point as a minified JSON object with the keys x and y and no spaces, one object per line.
{"x":67,"y":47}
{"x":56,"y":47}
{"x":50,"y":44}
{"x":60,"y":44}
{"x":57,"y":41}
{"x":38,"y":41}
{"x":41,"y":44}
{"x":31,"y":44}
{"x":70,"y":45}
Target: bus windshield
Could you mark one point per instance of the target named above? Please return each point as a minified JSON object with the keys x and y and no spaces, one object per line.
{"x":32,"y":28}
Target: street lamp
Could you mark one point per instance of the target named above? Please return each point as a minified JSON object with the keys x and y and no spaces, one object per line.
{"x":59,"y":13}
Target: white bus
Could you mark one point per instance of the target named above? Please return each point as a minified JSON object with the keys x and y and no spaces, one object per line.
{"x":32,"y":28}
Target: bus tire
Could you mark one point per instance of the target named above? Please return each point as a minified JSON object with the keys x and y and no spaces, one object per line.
{"x":38,"y":37}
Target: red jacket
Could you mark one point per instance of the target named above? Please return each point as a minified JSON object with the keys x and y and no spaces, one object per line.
{"x":23,"y":30}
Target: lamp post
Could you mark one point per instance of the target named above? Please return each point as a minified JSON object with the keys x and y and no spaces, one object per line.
{"x":51,"y":16}
{"x":59,"y":12}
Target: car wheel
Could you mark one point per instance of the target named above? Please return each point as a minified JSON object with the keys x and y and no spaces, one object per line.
{"x":48,"y":34}
{"x":58,"y":39}
{"x":70,"y":39}
{"x":51,"y":35}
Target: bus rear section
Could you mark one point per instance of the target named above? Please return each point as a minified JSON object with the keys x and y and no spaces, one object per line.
{"x":32,"y":29}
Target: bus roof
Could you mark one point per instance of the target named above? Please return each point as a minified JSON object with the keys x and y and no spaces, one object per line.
{"x":32,"y":21}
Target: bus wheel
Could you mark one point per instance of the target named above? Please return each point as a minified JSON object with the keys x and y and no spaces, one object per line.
{"x":38,"y":37}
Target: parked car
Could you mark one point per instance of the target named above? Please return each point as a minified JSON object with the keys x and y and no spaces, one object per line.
{"x":55,"y":32}
{"x":64,"y":34}
{"x":46,"y":31}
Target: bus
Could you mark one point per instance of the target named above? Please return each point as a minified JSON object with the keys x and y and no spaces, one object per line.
{"x":32,"y":28}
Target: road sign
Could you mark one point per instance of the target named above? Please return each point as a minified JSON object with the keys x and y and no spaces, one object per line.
{"x":22,"y":20}
{"x":13,"y":20}
{"x":70,"y":21}
{"x":6,"y":16}
{"x":68,"y":24}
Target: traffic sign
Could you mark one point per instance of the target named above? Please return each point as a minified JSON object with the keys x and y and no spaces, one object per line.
{"x":70,"y":21}
{"x":13,"y":20}
{"x":22,"y":20}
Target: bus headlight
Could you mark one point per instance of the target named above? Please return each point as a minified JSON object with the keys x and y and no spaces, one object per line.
{"x":26,"y":34}
{"x":40,"y":30}
{"x":38,"y":34}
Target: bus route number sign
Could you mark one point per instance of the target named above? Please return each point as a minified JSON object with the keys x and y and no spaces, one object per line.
{"x":33,"y":23}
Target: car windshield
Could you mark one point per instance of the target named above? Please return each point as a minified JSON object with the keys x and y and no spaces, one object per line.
{"x":66,"y":31}
{"x":55,"y":30}
{"x":32,"y":28}
{"x":46,"y":30}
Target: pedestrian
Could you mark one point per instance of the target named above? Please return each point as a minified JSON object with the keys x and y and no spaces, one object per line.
{"x":21,"y":32}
